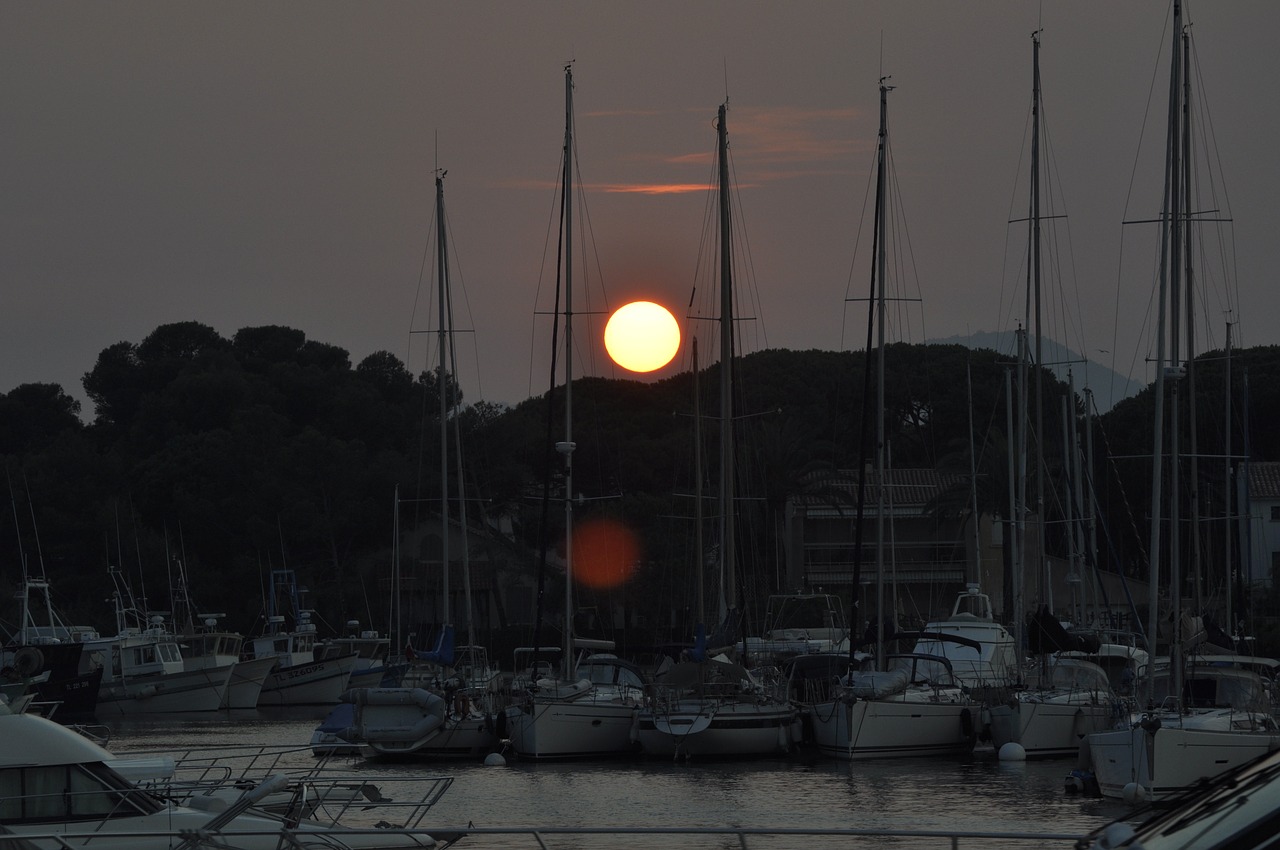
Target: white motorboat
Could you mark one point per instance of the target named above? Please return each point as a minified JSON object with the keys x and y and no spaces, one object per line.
{"x":58,"y":788}
{"x":799,"y":624}
{"x":988,"y":657}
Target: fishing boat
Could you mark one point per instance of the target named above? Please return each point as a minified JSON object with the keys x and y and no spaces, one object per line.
{"x":44,"y":643}
{"x":142,"y":666}
{"x":299,"y":677}
{"x":206,"y":644}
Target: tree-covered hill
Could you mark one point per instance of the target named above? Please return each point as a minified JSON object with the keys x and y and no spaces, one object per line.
{"x":268,"y":449}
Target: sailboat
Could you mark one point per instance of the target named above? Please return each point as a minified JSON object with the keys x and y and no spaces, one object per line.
{"x":908,"y":705}
{"x":714,"y":706}
{"x":447,"y":704}
{"x":576,"y":712}
{"x":1200,"y":721}
{"x":1061,"y":700}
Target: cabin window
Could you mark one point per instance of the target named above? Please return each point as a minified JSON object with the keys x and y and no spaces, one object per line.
{"x":61,"y":792}
{"x":169,"y":652}
{"x":1275,"y":513}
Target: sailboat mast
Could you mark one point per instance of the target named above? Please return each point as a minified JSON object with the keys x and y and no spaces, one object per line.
{"x":880,"y":322}
{"x":728,"y":553}
{"x":1227,"y":500}
{"x":1167,"y":274}
{"x":442,"y":271}
{"x":1046,"y":587}
{"x":566,"y":448}
{"x":697,"y":485}
{"x":1193,"y":504}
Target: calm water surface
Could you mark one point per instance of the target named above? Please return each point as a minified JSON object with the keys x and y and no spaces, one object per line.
{"x":976,"y":793}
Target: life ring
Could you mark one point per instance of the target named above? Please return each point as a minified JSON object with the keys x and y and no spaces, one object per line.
{"x":28,"y":661}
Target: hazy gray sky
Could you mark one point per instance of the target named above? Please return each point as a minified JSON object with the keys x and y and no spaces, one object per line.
{"x":245,"y":164}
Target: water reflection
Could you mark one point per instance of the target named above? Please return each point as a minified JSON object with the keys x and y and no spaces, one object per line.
{"x":976,"y":793}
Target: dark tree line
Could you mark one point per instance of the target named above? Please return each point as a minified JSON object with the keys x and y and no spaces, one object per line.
{"x":268,"y":449}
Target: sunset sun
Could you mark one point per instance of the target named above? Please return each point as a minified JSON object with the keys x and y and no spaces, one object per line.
{"x":642,"y":336}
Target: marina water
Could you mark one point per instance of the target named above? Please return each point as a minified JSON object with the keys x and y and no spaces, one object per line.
{"x":964,"y":794}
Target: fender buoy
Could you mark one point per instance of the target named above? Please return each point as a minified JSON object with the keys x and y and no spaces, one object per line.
{"x":28,"y":661}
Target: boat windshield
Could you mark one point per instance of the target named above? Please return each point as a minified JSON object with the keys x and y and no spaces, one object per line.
{"x":1241,"y":810}
{"x":69,"y":792}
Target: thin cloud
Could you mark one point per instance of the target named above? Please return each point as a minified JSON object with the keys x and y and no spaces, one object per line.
{"x":794,"y":135}
{"x":649,"y":188}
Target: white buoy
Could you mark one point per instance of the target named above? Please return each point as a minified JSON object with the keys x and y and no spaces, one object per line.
{"x":495,"y":760}
{"x":1012,"y":751}
{"x":1134,"y":793}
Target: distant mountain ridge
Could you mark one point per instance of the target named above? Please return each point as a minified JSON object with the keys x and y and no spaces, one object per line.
{"x":1109,"y":387}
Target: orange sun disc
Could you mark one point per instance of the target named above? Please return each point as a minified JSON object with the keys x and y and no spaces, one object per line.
{"x":642,"y":336}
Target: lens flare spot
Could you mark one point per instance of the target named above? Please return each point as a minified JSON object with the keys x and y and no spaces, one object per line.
{"x":605,"y":553}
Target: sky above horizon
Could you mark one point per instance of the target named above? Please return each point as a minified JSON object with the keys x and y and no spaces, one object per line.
{"x":245,"y":164}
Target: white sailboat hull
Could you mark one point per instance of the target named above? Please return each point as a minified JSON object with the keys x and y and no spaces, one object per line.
{"x":720,"y":728}
{"x":1047,"y":729}
{"x":852,"y":730}
{"x":550,"y":728}
{"x":1156,"y":765}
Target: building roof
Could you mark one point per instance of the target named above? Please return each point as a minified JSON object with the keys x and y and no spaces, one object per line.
{"x":1264,"y":480}
{"x":905,"y":487}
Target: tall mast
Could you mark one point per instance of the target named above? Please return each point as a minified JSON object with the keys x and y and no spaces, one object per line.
{"x":728,"y":553}
{"x":1228,"y":486}
{"x":1193,"y":505}
{"x":1033,"y":272}
{"x":566,"y":448}
{"x":451,"y":351}
{"x":880,"y":321}
{"x":697,"y":485}
{"x":1167,"y":297}
{"x":442,"y":270}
